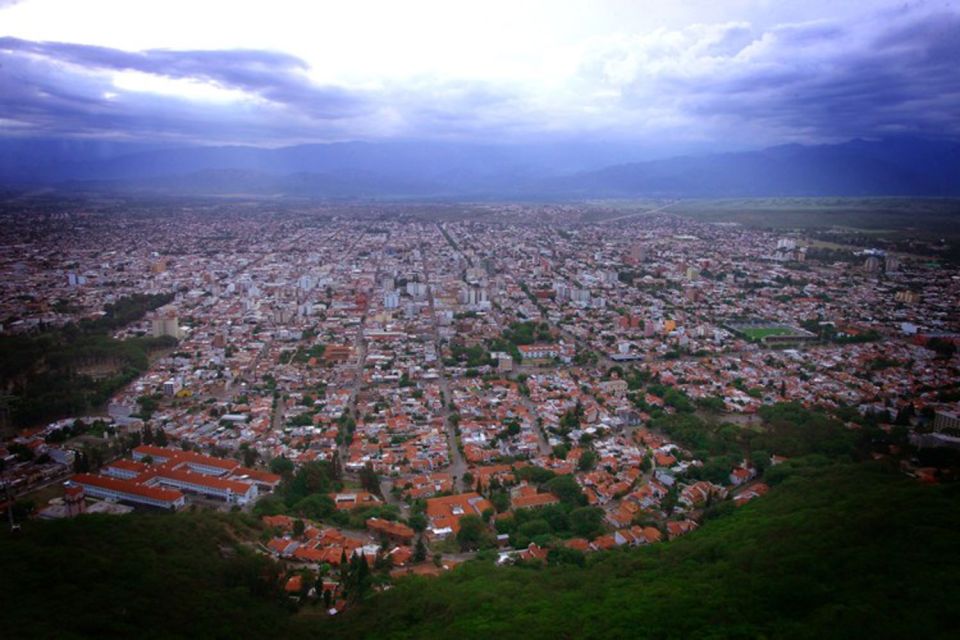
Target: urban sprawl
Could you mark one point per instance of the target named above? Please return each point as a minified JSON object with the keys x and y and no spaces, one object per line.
{"x":405,"y":391}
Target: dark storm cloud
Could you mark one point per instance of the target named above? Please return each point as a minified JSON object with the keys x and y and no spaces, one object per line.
{"x":277,"y":77}
{"x":888,"y":73}
{"x":803,"y":81}
{"x":60,"y":88}
{"x":827,"y":81}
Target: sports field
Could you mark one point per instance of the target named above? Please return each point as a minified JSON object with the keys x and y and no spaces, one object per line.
{"x":758,"y":333}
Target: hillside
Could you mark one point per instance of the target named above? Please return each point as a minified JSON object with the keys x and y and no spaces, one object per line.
{"x":849,"y":551}
{"x":145,"y":576}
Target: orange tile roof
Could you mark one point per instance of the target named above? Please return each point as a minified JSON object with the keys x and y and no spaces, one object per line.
{"x":533,"y":501}
{"x":127,"y":486}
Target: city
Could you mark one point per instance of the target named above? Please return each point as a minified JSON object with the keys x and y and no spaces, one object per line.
{"x":456,"y":320}
{"x":418,"y":390}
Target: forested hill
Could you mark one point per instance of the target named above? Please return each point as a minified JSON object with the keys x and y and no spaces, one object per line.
{"x":850,"y":551}
{"x":832,"y":552}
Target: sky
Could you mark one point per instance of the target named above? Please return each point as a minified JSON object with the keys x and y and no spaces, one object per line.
{"x":718,"y":74}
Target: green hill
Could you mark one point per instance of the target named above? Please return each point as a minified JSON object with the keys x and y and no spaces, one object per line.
{"x":852,"y":552}
{"x":846,"y":551}
{"x":141,"y":576}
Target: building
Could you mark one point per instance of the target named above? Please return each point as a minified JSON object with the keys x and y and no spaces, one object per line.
{"x":907,"y":297}
{"x":539,"y":351}
{"x":217,"y":478}
{"x":393,"y":531}
{"x":444,"y":513}
{"x":129,"y":491}
{"x":166,"y":323}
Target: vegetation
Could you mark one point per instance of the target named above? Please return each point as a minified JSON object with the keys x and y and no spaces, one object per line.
{"x":845,"y":551}
{"x":836,"y":550}
{"x":72,"y":370}
{"x":758,"y":333}
{"x":144,"y":576}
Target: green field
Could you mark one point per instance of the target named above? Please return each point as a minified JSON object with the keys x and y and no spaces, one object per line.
{"x":758,"y":333}
{"x":926,"y":217}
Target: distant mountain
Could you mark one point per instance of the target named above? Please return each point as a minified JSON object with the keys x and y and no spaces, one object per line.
{"x":901,"y":167}
{"x":898,"y":166}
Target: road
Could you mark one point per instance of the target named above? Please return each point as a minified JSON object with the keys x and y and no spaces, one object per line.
{"x":637,"y":213}
{"x":360,"y":346}
{"x":458,"y":466}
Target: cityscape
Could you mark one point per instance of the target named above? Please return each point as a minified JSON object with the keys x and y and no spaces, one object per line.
{"x":644,"y":324}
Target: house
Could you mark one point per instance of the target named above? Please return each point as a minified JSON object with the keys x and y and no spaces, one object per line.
{"x":675,"y":529}
{"x":741,"y":475}
{"x":526,"y":497}
{"x":700,"y":492}
{"x":393,"y":531}
{"x":352,"y":500}
{"x":444,"y":513}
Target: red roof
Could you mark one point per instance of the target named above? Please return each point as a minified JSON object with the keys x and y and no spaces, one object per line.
{"x":390,"y":528}
{"x":204,"y":480}
{"x":127,"y":486}
{"x":294,"y":584}
{"x":536,"y":500}
{"x":128,"y":465}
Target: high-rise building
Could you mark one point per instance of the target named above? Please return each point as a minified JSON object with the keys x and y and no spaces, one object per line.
{"x":166,"y":323}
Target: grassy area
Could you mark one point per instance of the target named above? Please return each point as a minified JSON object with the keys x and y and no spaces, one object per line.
{"x":925,"y":216}
{"x":758,"y":333}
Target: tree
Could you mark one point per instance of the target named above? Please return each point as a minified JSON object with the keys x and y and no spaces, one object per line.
{"x":586,"y":521}
{"x":588,"y":460}
{"x":298,"y":527}
{"x":315,"y":506}
{"x":566,"y":488}
{"x":500,"y":500}
{"x":357,"y":580}
{"x":248,"y":455}
{"x":473,"y":532}
{"x":281,"y":466}
{"x":369,"y":479}
{"x":563,"y":555}
{"x":669,"y":501}
{"x":417,"y":521}
{"x":647,"y":464}
{"x":420,"y":550}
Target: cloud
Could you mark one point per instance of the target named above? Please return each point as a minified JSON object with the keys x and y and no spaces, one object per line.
{"x":730,"y":84}
{"x":276,"y":77}
{"x":819,"y":80}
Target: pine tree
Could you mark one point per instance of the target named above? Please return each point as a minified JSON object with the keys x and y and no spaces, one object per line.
{"x":420,"y":551}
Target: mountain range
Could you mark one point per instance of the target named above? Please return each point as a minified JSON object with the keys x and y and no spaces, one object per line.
{"x":899,"y":166}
